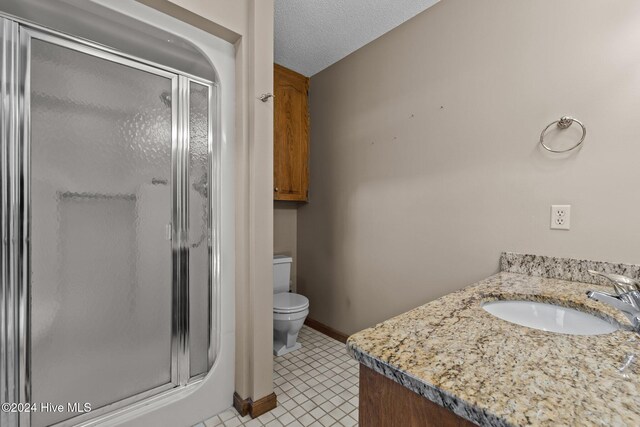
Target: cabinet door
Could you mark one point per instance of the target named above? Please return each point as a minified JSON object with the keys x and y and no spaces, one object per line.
{"x":291,"y":135}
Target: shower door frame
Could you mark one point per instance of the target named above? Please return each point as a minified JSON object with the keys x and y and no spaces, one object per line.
{"x":16,"y":217}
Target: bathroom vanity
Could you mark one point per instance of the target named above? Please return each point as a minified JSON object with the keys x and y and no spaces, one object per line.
{"x":452,"y":363}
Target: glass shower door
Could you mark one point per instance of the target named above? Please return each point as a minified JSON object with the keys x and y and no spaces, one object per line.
{"x":199,"y":207}
{"x":101,"y":290}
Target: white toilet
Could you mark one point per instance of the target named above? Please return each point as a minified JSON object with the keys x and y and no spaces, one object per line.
{"x":289,"y":309}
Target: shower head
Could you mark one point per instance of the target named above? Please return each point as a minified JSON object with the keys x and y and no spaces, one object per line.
{"x":165,"y":97}
{"x":202,"y":186}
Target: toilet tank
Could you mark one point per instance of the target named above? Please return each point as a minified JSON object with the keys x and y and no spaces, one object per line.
{"x":281,"y":273}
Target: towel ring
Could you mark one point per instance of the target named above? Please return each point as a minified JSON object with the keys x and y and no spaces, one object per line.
{"x":563,"y":123}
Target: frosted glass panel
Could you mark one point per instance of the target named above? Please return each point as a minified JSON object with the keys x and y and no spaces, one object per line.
{"x":199,"y":230}
{"x":101,"y":290}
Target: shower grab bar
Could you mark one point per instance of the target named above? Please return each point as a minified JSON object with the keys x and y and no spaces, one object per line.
{"x":74,"y":195}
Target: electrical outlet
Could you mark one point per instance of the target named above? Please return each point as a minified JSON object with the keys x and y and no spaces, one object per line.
{"x":560,"y":217}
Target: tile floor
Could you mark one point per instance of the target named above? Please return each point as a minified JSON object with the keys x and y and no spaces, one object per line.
{"x":316,"y":386}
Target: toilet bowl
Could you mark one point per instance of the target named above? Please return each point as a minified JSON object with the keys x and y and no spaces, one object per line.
{"x":289,"y":309}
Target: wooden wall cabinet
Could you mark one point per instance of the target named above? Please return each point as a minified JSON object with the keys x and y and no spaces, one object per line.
{"x":291,"y":135}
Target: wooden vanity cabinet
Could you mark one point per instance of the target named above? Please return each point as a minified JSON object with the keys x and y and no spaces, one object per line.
{"x":385,"y":403}
{"x":291,"y":135}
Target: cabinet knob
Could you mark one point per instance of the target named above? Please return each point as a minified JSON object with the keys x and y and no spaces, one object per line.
{"x":276,"y":189}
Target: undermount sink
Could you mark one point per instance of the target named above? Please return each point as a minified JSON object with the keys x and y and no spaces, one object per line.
{"x":549,"y":317}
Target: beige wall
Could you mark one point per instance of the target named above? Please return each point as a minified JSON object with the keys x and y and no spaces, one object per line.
{"x":285,"y":233}
{"x":424,"y":155}
{"x":248,"y":24}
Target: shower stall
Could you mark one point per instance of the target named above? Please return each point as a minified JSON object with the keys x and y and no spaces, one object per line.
{"x":110,"y":259}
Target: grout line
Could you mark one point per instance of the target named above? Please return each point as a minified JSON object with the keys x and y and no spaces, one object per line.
{"x":321,"y":361}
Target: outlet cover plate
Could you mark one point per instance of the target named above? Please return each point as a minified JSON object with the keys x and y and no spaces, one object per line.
{"x":560,"y":217}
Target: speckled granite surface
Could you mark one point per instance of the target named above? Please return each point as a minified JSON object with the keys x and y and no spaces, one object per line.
{"x":495,"y":373}
{"x":575,"y":270}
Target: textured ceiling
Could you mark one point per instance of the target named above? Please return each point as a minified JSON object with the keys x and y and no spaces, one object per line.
{"x":310,"y":35}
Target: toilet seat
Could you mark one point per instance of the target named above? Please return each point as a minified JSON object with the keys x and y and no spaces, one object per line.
{"x":288,"y":302}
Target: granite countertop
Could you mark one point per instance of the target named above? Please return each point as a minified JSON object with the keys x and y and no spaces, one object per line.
{"x":496,"y":373}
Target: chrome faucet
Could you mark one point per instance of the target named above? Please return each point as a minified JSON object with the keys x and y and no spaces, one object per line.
{"x":627,"y":298}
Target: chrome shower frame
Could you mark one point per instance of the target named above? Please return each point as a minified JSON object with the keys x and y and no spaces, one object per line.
{"x":10,"y":126}
{"x":15,"y":383}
